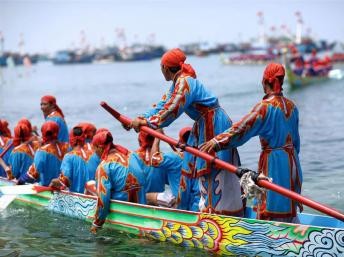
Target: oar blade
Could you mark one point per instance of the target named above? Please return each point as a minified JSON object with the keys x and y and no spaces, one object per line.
{"x":5,"y":201}
{"x":18,"y":190}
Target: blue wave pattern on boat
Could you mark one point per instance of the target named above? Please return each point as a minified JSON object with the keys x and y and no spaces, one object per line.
{"x":326,"y":242}
{"x":261,"y":240}
{"x":72,"y":205}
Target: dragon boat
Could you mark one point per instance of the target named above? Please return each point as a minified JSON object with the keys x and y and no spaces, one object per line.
{"x":317,"y":235}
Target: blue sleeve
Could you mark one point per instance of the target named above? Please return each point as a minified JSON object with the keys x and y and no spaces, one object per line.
{"x":67,"y":167}
{"x":249,"y":126}
{"x":175,"y":104}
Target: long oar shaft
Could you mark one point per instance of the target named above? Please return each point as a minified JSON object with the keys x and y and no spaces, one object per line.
{"x":224,"y":165}
{"x":6,"y":150}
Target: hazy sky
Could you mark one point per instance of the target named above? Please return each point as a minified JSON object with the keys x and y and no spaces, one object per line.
{"x":47,"y":26}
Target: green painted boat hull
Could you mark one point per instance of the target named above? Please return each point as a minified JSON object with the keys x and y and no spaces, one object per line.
{"x":220,"y":234}
{"x":297,"y":82}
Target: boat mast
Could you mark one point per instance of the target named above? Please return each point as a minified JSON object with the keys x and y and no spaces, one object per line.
{"x":261,"y":25}
{"x":299,"y":26}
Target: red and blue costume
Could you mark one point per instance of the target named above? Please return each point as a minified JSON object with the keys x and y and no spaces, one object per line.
{"x":5,"y":141}
{"x":47,"y":160}
{"x":74,"y":170}
{"x":220,"y":190}
{"x":119,"y":176}
{"x":58,"y":117}
{"x":275,"y":120}
{"x":24,"y":150}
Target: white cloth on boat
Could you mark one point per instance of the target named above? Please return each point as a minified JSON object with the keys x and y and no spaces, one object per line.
{"x":166,"y":198}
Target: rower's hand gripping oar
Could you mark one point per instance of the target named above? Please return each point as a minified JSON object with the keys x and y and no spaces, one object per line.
{"x":224,"y":165}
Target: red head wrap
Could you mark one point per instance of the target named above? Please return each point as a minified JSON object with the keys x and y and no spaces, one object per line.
{"x":184,"y":134}
{"x":103,"y":140}
{"x":145,"y":140}
{"x":4,"y":130}
{"x":50,"y":131}
{"x":271,"y":74}
{"x":88,"y":129}
{"x":26,"y":122}
{"x":52,"y":100}
{"x":102,"y":130}
{"x":176,"y":58}
{"x":75,"y":138}
{"x":22,"y":133}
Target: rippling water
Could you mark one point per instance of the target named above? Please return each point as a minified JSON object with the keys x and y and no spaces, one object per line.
{"x":132,"y":88}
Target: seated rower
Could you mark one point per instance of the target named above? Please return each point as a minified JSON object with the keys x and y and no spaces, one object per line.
{"x":74,"y":172}
{"x":24,"y":149}
{"x":119,"y":176}
{"x":48,"y":157}
{"x":165,"y":170}
{"x":5,"y":142}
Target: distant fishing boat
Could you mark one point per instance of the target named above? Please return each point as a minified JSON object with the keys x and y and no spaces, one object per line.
{"x":225,"y":235}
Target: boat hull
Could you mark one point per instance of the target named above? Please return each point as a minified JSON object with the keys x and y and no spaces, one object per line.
{"x":297,"y":82}
{"x":220,"y":234}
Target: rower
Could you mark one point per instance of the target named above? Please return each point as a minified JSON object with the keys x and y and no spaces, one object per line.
{"x":48,"y":157}
{"x":74,"y":172}
{"x":24,"y":150}
{"x":5,"y":141}
{"x":119,"y":176}
{"x":52,"y":112}
{"x":220,"y":190}
{"x":163,"y":171}
{"x":275,"y":120}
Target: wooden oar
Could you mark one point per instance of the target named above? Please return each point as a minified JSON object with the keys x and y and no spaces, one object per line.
{"x":2,"y":162}
{"x":224,"y":165}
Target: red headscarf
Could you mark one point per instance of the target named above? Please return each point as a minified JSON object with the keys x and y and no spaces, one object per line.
{"x":22,"y":133}
{"x":50,"y":131}
{"x":102,"y":130}
{"x":184,"y":134}
{"x":52,"y":100}
{"x":26,"y":122}
{"x":99,"y":140}
{"x":271,"y":74}
{"x":4,"y":130}
{"x":88,"y":129}
{"x":145,"y":140}
{"x":176,"y":58}
{"x":75,"y":140}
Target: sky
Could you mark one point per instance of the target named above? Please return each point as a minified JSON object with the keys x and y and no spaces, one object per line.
{"x":48,"y":26}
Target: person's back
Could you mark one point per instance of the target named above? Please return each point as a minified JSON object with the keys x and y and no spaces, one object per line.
{"x":187,"y":94}
{"x":74,"y":171}
{"x":24,"y":150}
{"x":167,"y":169}
{"x":48,"y":157}
{"x":126,"y":177}
{"x":275,"y":119}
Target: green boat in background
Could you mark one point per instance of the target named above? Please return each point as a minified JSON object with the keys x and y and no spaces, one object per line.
{"x":297,"y":82}
{"x":316,"y":235}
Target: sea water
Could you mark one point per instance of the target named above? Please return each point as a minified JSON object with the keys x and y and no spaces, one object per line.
{"x":132,"y":88}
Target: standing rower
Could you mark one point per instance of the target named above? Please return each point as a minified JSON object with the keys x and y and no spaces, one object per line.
{"x":275,"y":120}
{"x":220,"y":190}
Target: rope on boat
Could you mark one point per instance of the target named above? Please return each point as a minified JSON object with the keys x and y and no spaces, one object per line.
{"x":250,"y":188}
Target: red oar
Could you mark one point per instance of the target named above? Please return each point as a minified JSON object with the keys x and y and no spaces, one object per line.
{"x":224,"y":165}
{"x":6,"y":150}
